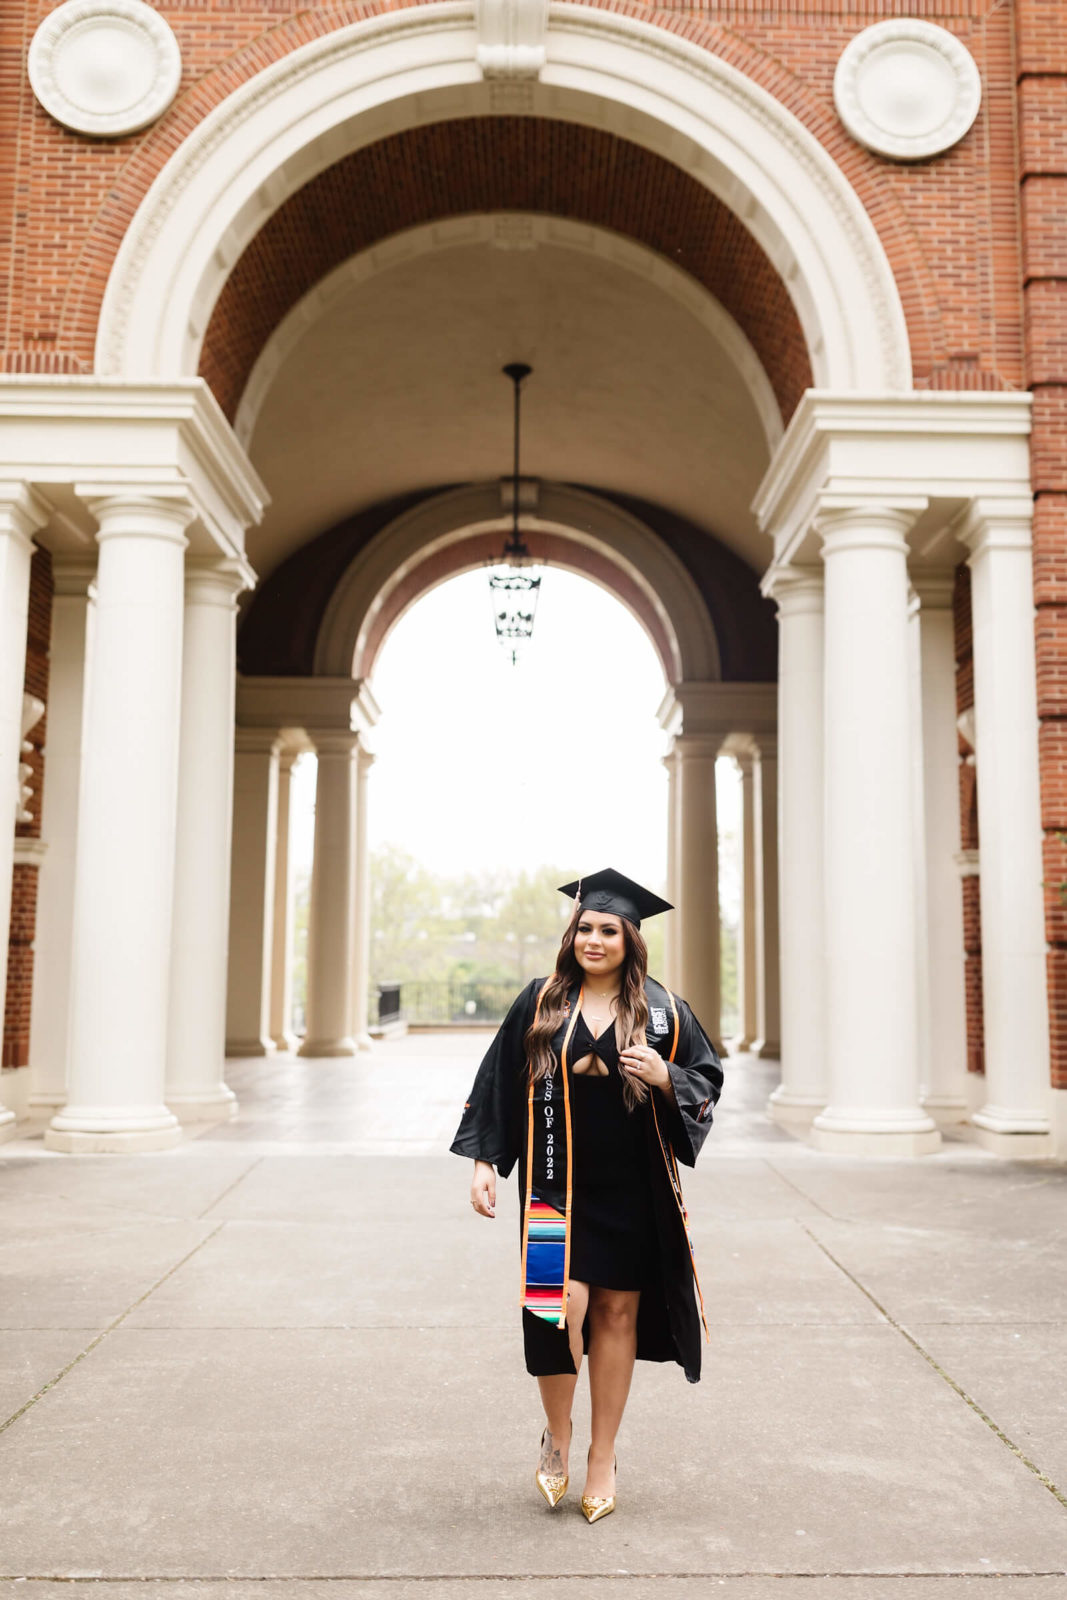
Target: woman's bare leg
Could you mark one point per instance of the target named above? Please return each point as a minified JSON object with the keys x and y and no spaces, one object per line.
{"x":557,"y":1392}
{"x":612,"y":1352}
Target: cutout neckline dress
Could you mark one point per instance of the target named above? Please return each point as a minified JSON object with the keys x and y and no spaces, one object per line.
{"x":613,"y":1239}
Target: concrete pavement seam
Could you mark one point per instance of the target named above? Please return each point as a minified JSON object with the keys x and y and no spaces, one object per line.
{"x":102,"y":1335}
{"x":798,"y":1190}
{"x":524,"y":1577}
{"x":231,"y":1187}
{"x":969,"y":1400}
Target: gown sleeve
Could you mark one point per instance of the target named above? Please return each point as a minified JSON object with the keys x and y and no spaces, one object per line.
{"x":697,"y":1078}
{"x":490,"y":1127}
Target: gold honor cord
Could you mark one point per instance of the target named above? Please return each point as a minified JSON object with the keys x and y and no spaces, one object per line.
{"x":672,"y":1173}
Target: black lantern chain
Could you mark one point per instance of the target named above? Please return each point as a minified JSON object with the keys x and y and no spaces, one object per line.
{"x":514,"y":593}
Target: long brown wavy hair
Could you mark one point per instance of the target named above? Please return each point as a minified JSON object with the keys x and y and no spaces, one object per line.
{"x":632,"y":1016}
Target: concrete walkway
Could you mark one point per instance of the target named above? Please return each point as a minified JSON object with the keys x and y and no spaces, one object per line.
{"x":284,"y":1360}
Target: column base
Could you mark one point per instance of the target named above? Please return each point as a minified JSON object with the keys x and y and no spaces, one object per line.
{"x":1019,"y":1135}
{"x":865,"y":1133}
{"x":947,"y":1110}
{"x":742,"y":1043}
{"x":793,"y":1110}
{"x":284,"y":1043}
{"x":364,"y":1041}
{"x":102,"y":1129}
{"x":1014,"y":1146}
{"x":214,"y":1103}
{"x":328,"y":1047}
{"x":47,"y":1100}
{"x":767,"y":1049}
{"x":7,"y":1124}
{"x":249,"y":1047}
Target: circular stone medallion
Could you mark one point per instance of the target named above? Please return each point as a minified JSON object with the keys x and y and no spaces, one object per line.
{"x":907,"y":89}
{"x":105,"y":67}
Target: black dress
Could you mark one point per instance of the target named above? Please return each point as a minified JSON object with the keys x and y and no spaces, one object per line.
{"x":613,"y":1238}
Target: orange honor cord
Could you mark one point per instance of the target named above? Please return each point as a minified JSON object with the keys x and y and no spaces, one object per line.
{"x":676,"y":1182}
{"x":529,"y":1158}
{"x":570,"y":1161}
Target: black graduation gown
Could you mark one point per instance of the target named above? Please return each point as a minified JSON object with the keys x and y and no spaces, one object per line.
{"x":494,"y":1128}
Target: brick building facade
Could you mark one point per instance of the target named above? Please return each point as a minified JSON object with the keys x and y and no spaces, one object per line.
{"x":862,"y":205}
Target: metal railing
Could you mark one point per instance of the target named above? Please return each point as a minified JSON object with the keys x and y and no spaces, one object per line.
{"x":428,"y":1003}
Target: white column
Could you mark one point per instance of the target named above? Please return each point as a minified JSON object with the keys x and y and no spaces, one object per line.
{"x":804,"y":1089}
{"x":765,"y":829}
{"x":50,"y":1011}
{"x":281,"y":982}
{"x":941,"y":999}
{"x":21,"y":512}
{"x":124,"y":878}
{"x":870,"y":909}
{"x":740,"y":748}
{"x":1015,"y":1117}
{"x":255,"y":832}
{"x":670,"y":932}
{"x":361,"y":929}
{"x":196,"y":1029}
{"x":697,"y":888}
{"x":331,"y":921}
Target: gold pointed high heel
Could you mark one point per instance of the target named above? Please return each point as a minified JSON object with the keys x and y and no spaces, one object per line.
{"x":595,"y":1506}
{"x":553,"y":1485}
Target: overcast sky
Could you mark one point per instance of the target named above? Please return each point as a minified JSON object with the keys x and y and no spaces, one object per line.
{"x":558,"y":759}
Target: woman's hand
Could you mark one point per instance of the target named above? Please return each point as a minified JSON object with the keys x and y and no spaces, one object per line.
{"x":483,"y":1189}
{"x":646,"y":1065}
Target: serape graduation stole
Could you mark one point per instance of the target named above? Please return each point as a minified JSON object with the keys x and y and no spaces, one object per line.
{"x":546,"y":1233}
{"x":672,"y":1172}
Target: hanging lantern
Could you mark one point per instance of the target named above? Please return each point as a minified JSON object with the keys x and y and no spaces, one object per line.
{"x":512,"y":591}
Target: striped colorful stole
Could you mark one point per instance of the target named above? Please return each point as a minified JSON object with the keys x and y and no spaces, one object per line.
{"x":546,"y":1232}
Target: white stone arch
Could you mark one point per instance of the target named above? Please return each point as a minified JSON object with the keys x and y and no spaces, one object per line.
{"x":459,"y":233}
{"x":619,"y":539}
{"x":419,"y":65}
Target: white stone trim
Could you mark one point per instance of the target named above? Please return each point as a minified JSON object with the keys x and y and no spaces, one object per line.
{"x":30,"y":852}
{"x":158,"y":437}
{"x":504,"y":230}
{"x":418,"y":65}
{"x":104,"y":67}
{"x":907,"y":89}
{"x":845,"y":449}
{"x":618,"y":537}
{"x":511,"y":37}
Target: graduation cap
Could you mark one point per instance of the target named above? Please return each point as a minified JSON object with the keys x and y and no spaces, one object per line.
{"x":611,"y":891}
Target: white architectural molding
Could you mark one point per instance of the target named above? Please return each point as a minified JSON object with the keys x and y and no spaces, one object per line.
{"x":418,"y":65}
{"x":287,"y":705}
{"x":511,"y":37}
{"x":30,"y":852}
{"x":619,"y":539}
{"x":719,"y":709}
{"x":105,"y":67}
{"x":32,"y":712}
{"x":907,"y":89}
{"x":853,"y":449}
{"x":114,"y":436}
{"x":534,"y":229}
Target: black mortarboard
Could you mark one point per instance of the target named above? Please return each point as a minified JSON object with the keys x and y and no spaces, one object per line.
{"x":610,"y":891}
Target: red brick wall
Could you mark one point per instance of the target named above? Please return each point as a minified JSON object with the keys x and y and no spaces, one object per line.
{"x":16,"y":1045}
{"x":1041,"y":32}
{"x":949,"y":226}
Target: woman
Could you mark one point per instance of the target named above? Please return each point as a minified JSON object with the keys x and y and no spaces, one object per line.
{"x":597,"y":1083}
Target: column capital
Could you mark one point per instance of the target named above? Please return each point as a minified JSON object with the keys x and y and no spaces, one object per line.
{"x":22,"y":510}
{"x":73,"y":576}
{"x":988,"y":523}
{"x":851,"y":522}
{"x":367,"y":758}
{"x":215,"y":583}
{"x":740,"y":747}
{"x":334,"y":741}
{"x":257,"y":741}
{"x":718,"y":709}
{"x":934,"y":589}
{"x":133,"y":512}
{"x":697,"y":746}
{"x":793,"y":588}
